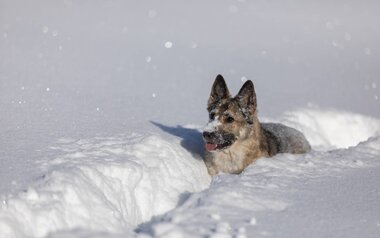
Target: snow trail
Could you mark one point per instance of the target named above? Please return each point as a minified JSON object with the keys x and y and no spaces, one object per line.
{"x":330,"y":129}
{"x":108,"y":186}
{"x":237,"y":205}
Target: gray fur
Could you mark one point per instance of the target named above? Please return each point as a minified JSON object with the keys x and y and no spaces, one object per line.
{"x":284,"y":139}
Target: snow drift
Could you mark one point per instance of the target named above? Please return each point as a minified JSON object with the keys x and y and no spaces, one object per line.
{"x":331,"y":129}
{"x":110,"y":185}
{"x":247,"y":205}
{"x":104,"y":184}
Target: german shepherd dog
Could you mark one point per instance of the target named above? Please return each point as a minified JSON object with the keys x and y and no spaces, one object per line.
{"x":234,"y":137}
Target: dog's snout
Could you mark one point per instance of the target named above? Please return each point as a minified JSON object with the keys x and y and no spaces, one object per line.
{"x":208,"y":135}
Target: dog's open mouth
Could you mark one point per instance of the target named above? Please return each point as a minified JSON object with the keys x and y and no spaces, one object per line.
{"x":218,"y":140}
{"x":213,"y":147}
{"x":210,"y":146}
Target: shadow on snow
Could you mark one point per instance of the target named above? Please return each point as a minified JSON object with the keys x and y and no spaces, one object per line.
{"x":191,"y":138}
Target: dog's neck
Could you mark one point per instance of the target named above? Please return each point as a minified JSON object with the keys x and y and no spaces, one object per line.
{"x":240,"y":154}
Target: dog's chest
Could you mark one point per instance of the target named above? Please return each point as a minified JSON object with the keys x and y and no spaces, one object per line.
{"x":229,"y":161}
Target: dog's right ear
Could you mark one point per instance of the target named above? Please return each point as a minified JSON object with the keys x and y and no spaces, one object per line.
{"x":219,"y":91}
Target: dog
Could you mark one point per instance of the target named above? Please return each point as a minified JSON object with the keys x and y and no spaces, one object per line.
{"x":234,"y":137}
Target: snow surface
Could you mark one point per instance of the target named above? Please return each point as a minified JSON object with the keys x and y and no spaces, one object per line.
{"x":114,"y":184}
{"x":331,"y":129}
{"x":101,"y":105}
{"x":104,"y":183}
{"x":266,"y":200}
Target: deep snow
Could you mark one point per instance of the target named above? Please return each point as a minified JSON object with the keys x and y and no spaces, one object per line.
{"x":104,"y":183}
{"x":101,"y":104}
{"x":287,"y":196}
{"x":115,"y":184}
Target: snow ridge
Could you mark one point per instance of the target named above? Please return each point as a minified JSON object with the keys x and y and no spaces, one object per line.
{"x":104,"y":184}
{"x":108,"y":186}
{"x":229,"y":206}
{"x":331,"y":129}
{"x":325,"y":129}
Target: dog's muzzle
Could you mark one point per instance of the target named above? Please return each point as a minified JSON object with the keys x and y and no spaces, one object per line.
{"x":217,"y":141}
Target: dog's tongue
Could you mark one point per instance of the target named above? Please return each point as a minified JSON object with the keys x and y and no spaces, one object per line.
{"x":210,"y":146}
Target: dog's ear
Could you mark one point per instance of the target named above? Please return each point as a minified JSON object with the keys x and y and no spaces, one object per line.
{"x":247,"y":100}
{"x":219,"y":91}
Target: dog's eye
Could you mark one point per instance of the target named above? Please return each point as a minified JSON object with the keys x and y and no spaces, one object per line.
{"x":212,"y":116}
{"x":230,"y":119}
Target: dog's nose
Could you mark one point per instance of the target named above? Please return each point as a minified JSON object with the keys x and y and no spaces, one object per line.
{"x":208,"y":135}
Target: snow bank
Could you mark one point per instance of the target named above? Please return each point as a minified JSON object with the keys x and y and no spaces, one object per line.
{"x":331,"y":129}
{"x":258,"y":202}
{"x":107,"y":186}
{"x":104,"y":184}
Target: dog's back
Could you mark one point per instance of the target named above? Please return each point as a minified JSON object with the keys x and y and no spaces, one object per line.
{"x":284,"y":139}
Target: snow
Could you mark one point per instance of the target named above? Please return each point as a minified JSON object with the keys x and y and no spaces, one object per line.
{"x":168,"y":44}
{"x":212,"y":125}
{"x":111,"y":185}
{"x":331,"y":129}
{"x":273,"y":190}
{"x":100,"y":121}
{"x":105,"y":184}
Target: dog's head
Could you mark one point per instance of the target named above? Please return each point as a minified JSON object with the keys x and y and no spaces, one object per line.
{"x":230,"y":118}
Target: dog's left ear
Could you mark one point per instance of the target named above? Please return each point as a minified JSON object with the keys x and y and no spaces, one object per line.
{"x":247,"y":100}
